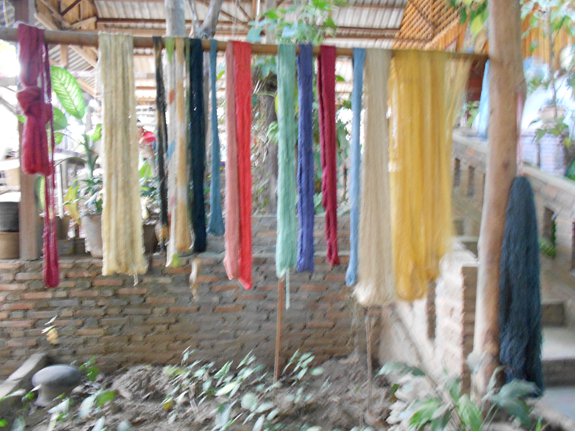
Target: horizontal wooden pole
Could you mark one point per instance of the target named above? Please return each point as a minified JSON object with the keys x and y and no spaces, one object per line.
{"x":61,"y":37}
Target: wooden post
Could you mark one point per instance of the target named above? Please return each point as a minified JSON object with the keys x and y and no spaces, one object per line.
{"x":369,"y":325}
{"x":279,"y":319}
{"x":506,"y":85}
{"x":28,"y":213}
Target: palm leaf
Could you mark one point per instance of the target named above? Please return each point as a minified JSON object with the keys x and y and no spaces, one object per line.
{"x":68,"y":92}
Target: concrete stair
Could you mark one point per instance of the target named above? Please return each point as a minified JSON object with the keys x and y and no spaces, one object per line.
{"x":553,"y":313}
{"x":558,"y":356}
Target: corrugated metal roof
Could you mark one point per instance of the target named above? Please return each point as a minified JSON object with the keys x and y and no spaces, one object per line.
{"x":361,"y":23}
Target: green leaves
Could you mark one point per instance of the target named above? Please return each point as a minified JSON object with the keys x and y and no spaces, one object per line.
{"x":300,"y":22}
{"x":104,"y":397}
{"x":60,"y":120}
{"x":399,"y":368}
{"x":249,"y":401}
{"x":425,"y":411}
{"x":68,"y":92}
{"x":469,"y":413}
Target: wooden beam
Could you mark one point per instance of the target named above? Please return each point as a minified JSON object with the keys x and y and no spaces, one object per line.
{"x":507,"y":86}
{"x":420,"y":12}
{"x":84,"y":22}
{"x":70,"y":7}
{"x":239,"y":6}
{"x":89,"y":56}
{"x":90,"y":39}
{"x":224,"y":13}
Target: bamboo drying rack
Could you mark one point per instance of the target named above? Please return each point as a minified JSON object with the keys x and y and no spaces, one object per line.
{"x":90,"y":39}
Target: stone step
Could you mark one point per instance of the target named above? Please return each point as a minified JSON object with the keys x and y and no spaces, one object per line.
{"x":558,"y":356}
{"x":553,"y":313}
{"x":556,"y":407}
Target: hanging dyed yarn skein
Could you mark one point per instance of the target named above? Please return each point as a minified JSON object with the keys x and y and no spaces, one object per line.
{"x":358,"y":58}
{"x":180,"y":237}
{"x":197,"y":143}
{"x":286,"y":210}
{"x":122,"y":241}
{"x":161,"y":140}
{"x":327,"y":123}
{"x":520,"y":306}
{"x":37,"y":150}
{"x":305,"y":259}
{"x":375,"y":285}
{"x":216,"y":223}
{"x":420,"y":178}
{"x":238,"y":198}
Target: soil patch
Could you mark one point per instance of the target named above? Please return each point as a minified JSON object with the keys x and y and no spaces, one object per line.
{"x":333,"y":396}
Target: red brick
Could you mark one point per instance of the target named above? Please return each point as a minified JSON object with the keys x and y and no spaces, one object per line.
{"x":90,"y":332}
{"x":208,"y":278}
{"x":160,"y":319}
{"x":178,"y":270}
{"x":17,"y":323}
{"x":160,"y":300}
{"x":334,"y":277}
{"x":29,"y":276}
{"x":223,"y":288}
{"x":135,"y":310}
{"x":104,"y":281}
{"x":314,"y":287}
{"x":78,"y":274}
{"x":132,"y":291}
{"x":12,"y":287}
{"x":37,"y":295}
{"x":19,"y":306}
{"x":183,"y":309}
{"x":40,"y":314}
{"x":251,"y":296}
{"x":320,"y":324}
{"x":92,"y":312}
{"x":21,"y":342}
{"x":67,"y":284}
{"x":228,"y":308}
{"x":341,"y":315}
{"x":10,"y":265}
{"x":83,"y":293}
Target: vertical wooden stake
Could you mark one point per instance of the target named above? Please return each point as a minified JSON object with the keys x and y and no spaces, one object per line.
{"x":279,"y":317}
{"x":368,"y":323}
{"x":28,"y":212}
{"x":506,"y":84}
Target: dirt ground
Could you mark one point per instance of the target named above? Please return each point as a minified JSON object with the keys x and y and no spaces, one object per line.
{"x":339,"y":398}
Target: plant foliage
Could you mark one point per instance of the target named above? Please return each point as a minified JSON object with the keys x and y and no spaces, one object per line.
{"x":68,"y":92}
{"x":435,"y":409}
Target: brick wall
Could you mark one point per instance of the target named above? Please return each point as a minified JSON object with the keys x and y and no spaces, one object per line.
{"x":155,"y":320}
{"x":436,"y":332}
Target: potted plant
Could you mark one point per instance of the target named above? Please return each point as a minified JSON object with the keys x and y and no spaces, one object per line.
{"x":554,"y":144}
{"x":83,"y":200}
{"x":149,"y":195}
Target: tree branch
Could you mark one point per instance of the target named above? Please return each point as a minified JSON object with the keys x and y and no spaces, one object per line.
{"x":208,"y":28}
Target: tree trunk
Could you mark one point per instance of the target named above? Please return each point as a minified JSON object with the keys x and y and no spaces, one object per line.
{"x":208,"y":28}
{"x":207,"y":31}
{"x":271,"y":161}
{"x":506,"y":87}
{"x":175,"y":18}
{"x":267,"y":101}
